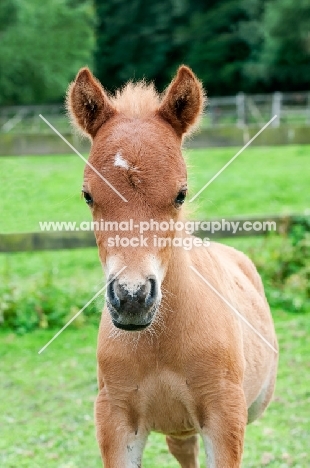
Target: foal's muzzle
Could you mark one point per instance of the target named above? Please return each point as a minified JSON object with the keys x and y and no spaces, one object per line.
{"x":132,"y":310}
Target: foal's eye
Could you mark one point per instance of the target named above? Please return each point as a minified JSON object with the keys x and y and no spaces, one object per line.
{"x":180,"y":198}
{"x":87,"y":198}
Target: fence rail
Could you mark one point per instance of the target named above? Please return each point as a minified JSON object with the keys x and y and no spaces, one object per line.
{"x":37,"y":241}
{"x":245,"y":110}
{"x":240,"y":111}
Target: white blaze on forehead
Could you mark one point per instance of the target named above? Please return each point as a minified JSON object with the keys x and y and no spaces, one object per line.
{"x":120,"y":161}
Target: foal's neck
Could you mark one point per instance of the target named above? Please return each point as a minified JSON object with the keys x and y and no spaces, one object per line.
{"x":177,"y":279}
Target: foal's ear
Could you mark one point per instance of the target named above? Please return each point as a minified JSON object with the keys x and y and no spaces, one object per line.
{"x":183,"y":101}
{"x":87,"y":103}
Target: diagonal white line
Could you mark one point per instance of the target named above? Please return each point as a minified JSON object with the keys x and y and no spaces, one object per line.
{"x":82,"y":157}
{"x":80,"y":311}
{"x":234,"y":309}
{"x":232,"y":159}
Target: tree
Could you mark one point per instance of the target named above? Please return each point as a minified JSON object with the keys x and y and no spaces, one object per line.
{"x":42,"y":45}
{"x":138,"y":39}
{"x":217,"y":50}
{"x":251,"y":31}
{"x":284,"y":59}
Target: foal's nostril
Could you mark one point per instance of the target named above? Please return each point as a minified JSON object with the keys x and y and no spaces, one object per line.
{"x":112,"y":295}
{"x":151,"y":297}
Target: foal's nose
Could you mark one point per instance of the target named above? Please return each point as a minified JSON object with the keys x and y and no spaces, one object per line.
{"x":132,"y":301}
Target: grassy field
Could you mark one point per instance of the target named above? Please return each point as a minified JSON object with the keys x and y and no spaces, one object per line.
{"x":46,"y":401}
{"x":260,"y":181}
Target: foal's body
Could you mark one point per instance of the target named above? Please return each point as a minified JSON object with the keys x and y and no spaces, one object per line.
{"x":205,"y":372}
{"x":183,"y":363}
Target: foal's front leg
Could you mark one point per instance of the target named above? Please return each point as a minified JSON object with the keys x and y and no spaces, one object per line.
{"x":120,"y":443}
{"x":224,"y":428}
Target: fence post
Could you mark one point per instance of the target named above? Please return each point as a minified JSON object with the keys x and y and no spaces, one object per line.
{"x":308,"y":110}
{"x":240,"y":105}
{"x":276,"y":108}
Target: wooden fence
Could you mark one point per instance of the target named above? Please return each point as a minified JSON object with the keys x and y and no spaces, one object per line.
{"x":36,"y":241}
{"x":239,"y":110}
{"x":50,"y":144}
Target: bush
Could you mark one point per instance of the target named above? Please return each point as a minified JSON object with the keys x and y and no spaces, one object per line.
{"x":45,"y":303}
{"x":284,"y":264}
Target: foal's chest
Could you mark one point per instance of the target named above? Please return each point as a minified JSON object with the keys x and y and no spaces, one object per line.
{"x":161,"y":401}
{"x":168,"y":402}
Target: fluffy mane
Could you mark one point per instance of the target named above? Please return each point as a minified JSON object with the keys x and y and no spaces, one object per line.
{"x":136,"y":99}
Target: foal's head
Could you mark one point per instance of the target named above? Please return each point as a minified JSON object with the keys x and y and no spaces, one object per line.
{"x":136,"y":146}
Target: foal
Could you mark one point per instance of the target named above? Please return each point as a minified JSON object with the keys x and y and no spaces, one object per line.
{"x":173,"y":356}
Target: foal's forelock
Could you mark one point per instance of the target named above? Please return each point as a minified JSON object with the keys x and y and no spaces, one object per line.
{"x":136,"y":100}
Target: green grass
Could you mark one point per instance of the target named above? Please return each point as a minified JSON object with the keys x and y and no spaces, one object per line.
{"x":80,"y":266}
{"x":43,"y":188}
{"x":262,"y":180}
{"x":46,"y":403}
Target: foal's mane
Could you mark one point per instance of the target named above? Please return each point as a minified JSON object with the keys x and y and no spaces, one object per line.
{"x":136,"y":99}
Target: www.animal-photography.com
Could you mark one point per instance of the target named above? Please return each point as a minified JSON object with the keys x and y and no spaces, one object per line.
{"x":154,"y":234}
